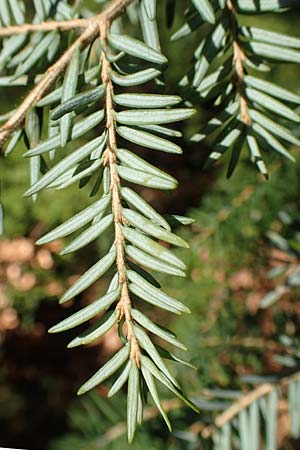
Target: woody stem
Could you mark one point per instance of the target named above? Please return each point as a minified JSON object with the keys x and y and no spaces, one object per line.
{"x":111,"y":12}
{"x":124,"y":304}
{"x":238,"y":60}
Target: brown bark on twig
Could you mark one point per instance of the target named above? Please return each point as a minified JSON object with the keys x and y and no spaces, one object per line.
{"x":113,"y":10}
{"x":61,"y":25}
{"x":238,"y":60}
{"x":124,"y":305}
{"x":245,"y":401}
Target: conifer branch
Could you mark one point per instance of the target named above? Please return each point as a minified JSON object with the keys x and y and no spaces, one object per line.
{"x":137,"y":226}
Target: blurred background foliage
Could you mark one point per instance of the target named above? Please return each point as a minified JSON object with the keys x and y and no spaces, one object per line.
{"x":229,"y":335}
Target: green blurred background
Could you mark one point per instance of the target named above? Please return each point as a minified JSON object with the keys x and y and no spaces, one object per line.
{"x":227,"y":334}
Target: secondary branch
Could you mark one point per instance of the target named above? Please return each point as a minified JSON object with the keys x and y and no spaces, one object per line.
{"x":111,"y":12}
{"x":246,"y":401}
{"x":61,"y":25}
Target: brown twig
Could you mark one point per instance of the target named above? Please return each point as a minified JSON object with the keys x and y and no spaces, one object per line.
{"x":124,"y":305}
{"x":242,"y":403}
{"x":245,"y":401}
{"x":110,"y":12}
{"x":113,"y":10}
{"x":44,"y":85}
{"x":238,"y":60}
{"x":60,"y":25}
